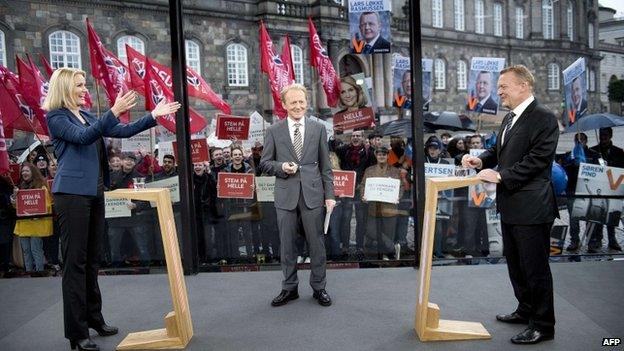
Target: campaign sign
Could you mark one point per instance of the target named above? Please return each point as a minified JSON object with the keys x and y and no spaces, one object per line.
{"x":427,"y":87}
{"x":116,"y":208}
{"x":257,"y":125}
{"x":600,"y":180}
{"x":235,"y":185}
{"x":349,"y":120}
{"x":165,"y":148}
{"x":369,"y":26}
{"x":137,"y":142}
{"x":265,"y":189}
{"x":171,"y":183}
{"x":344,"y":183}
{"x":382,"y":189}
{"x":199,"y":150}
{"x":31,"y":202}
{"x":439,"y":170}
{"x":482,"y":195}
{"x":483,"y":94}
{"x":575,"y":90}
{"x":232,"y":127}
{"x":402,"y":81}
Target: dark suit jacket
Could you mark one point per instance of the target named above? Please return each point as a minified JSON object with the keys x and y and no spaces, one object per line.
{"x":76,"y":150}
{"x":526,"y":195}
{"x":582,"y":110}
{"x":381,"y":45}
{"x":314,"y":178}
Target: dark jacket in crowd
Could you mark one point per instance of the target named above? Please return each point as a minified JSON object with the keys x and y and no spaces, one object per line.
{"x":353,"y":158}
{"x":613,"y":155}
{"x":571,"y":167}
{"x":205,"y":193}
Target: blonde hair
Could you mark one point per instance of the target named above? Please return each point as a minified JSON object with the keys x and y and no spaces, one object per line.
{"x":361,"y":98}
{"x":294,"y":86}
{"x":60,"y":90}
{"x":522,"y":73}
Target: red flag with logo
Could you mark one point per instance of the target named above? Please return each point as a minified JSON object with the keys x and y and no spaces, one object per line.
{"x":279,"y":74}
{"x":107,"y":69}
{"x":156,"y":90}
{"x":17,"y":113}
{"x":33,"y":90}
{"x":4,"y":153}
{"x":324,"y":67}
{"x":136,"y":66}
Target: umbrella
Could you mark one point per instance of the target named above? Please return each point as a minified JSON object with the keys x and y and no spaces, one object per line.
{"x":449,"y":121}
{"x":400,"y":127}
{"x":595,"y":121}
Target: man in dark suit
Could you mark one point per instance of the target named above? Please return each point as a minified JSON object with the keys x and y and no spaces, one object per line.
{"x":370,"y":29}
{"x":297,"y":154}
{"x":579,"y":104}
{"x":524,"y":154}
{"x":483,"y":93}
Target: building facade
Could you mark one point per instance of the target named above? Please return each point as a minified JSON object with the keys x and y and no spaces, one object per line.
{"x":611,"y":44}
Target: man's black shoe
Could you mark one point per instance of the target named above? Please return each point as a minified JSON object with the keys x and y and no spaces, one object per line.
{"x":322,"y":297}
{"x":615,"y":246}
{"x":284,"y":297}
{"x":532,"y":336}
{"x":573,"y":247}
{"x":513,"y":318}
{"x":105,"y":330}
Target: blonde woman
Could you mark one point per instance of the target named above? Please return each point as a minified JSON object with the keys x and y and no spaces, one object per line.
{"x":78,"y":191}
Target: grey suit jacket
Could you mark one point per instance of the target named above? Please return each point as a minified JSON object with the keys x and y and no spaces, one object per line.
{"x":314,"y":178}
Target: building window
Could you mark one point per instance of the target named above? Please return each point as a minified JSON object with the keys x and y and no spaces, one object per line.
{"x":440,"y":74}
{"x":592,"y":80}
{"x":297,"y":60}
{"x":436,"y":13}
{"x":237,"y":65}
{"x":553,"y":76}
{"x":570,"y":20}
{"x":619,"y":41}
{"x":498,"y":20}
{"x":193,"y":56}
{"x":462,"y":77}
{"x":519,"y":23}
{"x":547,"y":19}
{"x":479,"y":17}
{"x":134,"y":42}
{"x":590,"y":35}
{"x":3,"y":60}
{"x":64,"y":50}
{"x":459,"y":15}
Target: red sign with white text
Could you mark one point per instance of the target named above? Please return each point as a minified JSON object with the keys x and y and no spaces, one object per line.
{"x":361,"y":118}
{"x":31,"y":202}
{"x":235,"y":185}
{"x":232,"y":127}
{"x":344,"y":183}
{"x":199,"y":150}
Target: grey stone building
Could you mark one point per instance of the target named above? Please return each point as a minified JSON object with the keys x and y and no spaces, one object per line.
{"x":222,"y":41}
{"x":611,"y":45}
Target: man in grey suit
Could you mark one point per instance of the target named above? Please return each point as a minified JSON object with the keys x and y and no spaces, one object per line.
{"x":297,"y":154}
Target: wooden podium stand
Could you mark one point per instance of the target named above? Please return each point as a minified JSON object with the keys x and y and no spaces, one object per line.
{"x":427,"y":323}
{"x":178,"y":329}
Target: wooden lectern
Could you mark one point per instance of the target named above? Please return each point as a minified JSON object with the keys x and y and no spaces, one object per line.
{"x":428,"y":324}
{"x":178,"y":329}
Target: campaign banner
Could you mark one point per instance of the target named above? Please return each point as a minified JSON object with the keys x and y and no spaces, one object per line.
{"x":344,"y":183}
{"x":137,"y":142}
{"x":265,"y":189}
{"x":165,"y":148}
{"x":439,"y":170}
{"x":402,"y":81}
{"x":199,"y":150}
{"x":171,"y":183}
{"x":600,"y":180}
{"x":329,"y":126}
{"x":369,"y":26}
{"x":492,"y":216}
{"x":482,"y":83}
{"x":482,"y":195}
{"x":575,"y":90}
{"x":362,"y":118}
{"x":427,"y":79}
{"x":232,"y":127}
{"x":235,"y":185}
{"x":30,"y":202}
{"x":382,"y":189}
{"x":116,"y":208}
{"x":257,"y":126}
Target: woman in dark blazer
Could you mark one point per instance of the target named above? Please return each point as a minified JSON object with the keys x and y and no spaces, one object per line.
{"x":78,"y":190}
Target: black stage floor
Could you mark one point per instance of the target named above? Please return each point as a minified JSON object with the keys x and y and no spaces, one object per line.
{"x":373,"y":309}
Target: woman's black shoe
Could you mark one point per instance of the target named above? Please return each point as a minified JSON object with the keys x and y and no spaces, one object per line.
{"x":84,"y":345}
{"x":106,"y":330}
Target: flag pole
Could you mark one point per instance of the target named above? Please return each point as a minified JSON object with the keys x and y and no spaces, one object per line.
{"x":97,"y":95}
{"x":38,"y":138}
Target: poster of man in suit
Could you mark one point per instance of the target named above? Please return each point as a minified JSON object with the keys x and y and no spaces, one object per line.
{"x":482,"y":93}
{"x":575,"y":90}
{"x":402,"y":81}
{"x":369,"y":26}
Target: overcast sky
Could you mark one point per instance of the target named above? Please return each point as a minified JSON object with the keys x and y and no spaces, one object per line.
{"x":617,"y":5}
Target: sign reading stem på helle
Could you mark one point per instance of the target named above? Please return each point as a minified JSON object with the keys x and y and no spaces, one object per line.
{"x":199,"y":150}
{"x":235,"y":185}
{"x":344,"y":183}
{"x":232,"y":127}
{"x":31,"y":202}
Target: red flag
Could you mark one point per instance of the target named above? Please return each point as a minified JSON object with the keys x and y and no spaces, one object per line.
{"x":287,"y":58}
{"x":4,"y":154}
{"x":324,"y":67}
{"x":46,"y":64}
{"x":107,"y":69}
{"x":13,"y":106}
{"x":156,"y":90}
{"x":197,"y":87}
{"x":136,"y":66}
{"x":277,"y":71}
{"x":33,"y":89}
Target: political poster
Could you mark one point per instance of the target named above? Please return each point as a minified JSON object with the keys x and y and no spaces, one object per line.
{"x":138,"y":142}
{"x":116,"y":208}
{"x":439,"y":170}
{"x":483,"y":80}
{"x":235,"y":185}
{"x":257,"y":126}
{"x":199,"y":150}
{"x":427,"y":83}
{"x":482,"y":195}
{"x":232,"y":127}
{"x":30,"y":202}
{"x":382,"y":189}
{"x":344,"y":183}
{"x":164,"y":148}
{"x":362,"y":118}
{"x":445,"y":205}
{"x":171,"y":183}
{"x":600,"y":180}
{"x":369,"y":26}
{"x":575,"y":90}
{"x":265,"y":189}
{"x":402,"y":81}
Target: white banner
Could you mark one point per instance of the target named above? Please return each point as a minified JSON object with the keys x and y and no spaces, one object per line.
{"x":164,"y":148}
{"x":439,"y":170}
{"x":115,"y":208}
{"x":382,"y":189}
{"x":600,"y":180}
{"x":173,"y":184}
{"x":137,"y":142}
{"x":257,"y":126}
{"x":265,"y":187}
